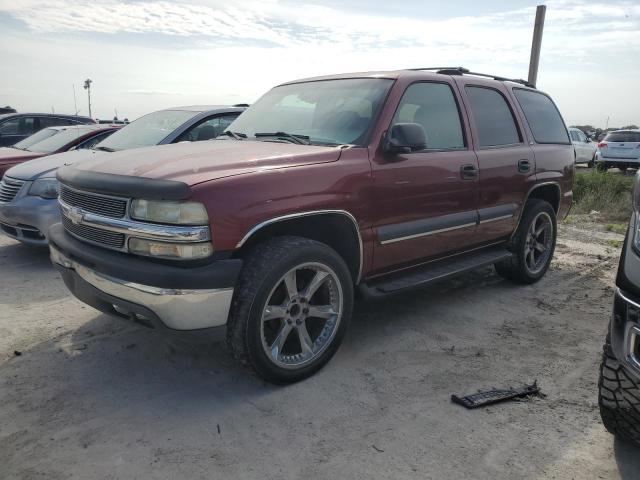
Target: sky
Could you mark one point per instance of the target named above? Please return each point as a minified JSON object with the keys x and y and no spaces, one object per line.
{"x":145,"y":55}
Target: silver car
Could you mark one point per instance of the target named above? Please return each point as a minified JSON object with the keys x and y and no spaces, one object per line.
{"x":29,"y":191}
{"x":584,"y":147}
{"x":619,"y":149}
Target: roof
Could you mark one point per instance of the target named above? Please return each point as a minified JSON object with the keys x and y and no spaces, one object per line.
{"x":206,"y":108}
{"x":417,"y":72}
{"x":59,"y":115}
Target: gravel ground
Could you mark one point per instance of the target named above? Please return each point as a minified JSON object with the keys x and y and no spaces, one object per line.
{"x":91,"y":397}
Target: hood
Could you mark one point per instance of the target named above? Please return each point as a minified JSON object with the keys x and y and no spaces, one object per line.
{"x":46,"y":166}
{"x":198,"y":162}
{"x":8,"y":154}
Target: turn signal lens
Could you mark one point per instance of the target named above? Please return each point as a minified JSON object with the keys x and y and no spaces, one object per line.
{"x":176,"y":251}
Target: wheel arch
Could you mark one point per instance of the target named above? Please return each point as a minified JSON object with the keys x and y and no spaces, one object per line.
{"x":547,"y":191}
{"x":335,"y":228}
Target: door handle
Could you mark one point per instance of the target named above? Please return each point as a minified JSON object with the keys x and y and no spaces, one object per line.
{"x":468,"y":172}
{"x":524,"y":166}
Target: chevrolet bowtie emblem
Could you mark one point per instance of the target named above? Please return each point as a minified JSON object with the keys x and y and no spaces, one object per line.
{"x":75,"y":215}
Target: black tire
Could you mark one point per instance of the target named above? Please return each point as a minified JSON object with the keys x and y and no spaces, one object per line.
{"x":618,"y":398}
{"x":516,"y":268}
{"x":264,"y":267}
{"x":592,"y":162}
{"x":601,"y":167}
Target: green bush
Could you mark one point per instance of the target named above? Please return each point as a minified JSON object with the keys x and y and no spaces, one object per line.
{"x":607,"y":193}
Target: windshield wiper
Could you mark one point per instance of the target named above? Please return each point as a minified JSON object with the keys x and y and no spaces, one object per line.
{"x":235,"y":135}
{"x":105,"y":149}
{"x":295,"y":138}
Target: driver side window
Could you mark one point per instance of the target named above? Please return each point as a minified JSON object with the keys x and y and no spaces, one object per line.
{"x":433,"y":106}
{"x":208,"y":129}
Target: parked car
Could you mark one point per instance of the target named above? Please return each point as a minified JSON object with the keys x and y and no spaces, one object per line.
{"x":7,"y":109}
{"x":620,"y":149}
{"x":619,"y":385}
{"x":382,"y":181}
{"x":52,"y":140}
{"x":584,"y":147}
{"x":18,"y":126}
{"x":27,"y":218}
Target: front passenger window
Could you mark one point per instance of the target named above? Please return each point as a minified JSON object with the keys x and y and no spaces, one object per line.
{"x":433,"y":106}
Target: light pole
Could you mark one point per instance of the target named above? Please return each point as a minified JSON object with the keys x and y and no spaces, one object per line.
{"x":87,"y":87}
{"x":536,"y":43}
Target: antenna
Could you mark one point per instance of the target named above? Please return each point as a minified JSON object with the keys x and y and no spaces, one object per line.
{"x":75,"y":103}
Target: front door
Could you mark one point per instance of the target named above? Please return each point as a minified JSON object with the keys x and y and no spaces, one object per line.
{"x":425,"y":201}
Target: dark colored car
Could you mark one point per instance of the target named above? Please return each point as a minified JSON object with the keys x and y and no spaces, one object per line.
{"x":7,"y":109}
{"x":18,"y":126}
{"x":49,"y":141}
{"x":382,"y":181}
{"x":27,"y":217}
{"x":619,"y":386}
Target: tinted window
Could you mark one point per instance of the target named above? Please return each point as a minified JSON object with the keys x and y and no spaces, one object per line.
{"x":208,"y":129}
{"x":93,"y":141}
{"x":543,"y":117}
{"x":433,"y":106}
{"x":53,"y":122}
{"x":493,"y":117}
{"x":623,"y":137}
{"x":10,"y":127}
{"x":329,"y":112}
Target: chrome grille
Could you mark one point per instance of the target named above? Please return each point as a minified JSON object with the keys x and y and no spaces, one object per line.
{"x":9,"y":188}
{"x":94,"y":203}
{"x":94,"y":235}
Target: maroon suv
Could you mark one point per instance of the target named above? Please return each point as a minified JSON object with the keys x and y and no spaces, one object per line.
{"x":382,"y":180}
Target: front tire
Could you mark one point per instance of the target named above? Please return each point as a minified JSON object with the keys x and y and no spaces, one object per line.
{"x":291,"y":309}
{"x":533,"y":244}
{"x":618,"y":398}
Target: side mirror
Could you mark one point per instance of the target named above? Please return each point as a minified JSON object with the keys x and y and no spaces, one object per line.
{"x":405,"y":138}
{"x":588,"y":140}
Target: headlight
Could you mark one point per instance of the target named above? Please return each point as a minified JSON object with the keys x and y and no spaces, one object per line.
{"x":45,"y":188}
{"x":177,"y":213}
{"x":181,"y":251}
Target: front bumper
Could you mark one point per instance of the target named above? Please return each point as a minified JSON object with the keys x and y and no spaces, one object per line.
{"x":28,"y":218}
{"x":172,"y":297}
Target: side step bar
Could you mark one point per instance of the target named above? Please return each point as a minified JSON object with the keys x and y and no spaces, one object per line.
{"x":434,"y":271}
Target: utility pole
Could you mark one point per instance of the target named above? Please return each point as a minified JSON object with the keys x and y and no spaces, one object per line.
{"x":87,"y":87}
{"x":75,"y":103}
{"x":536,"y":43}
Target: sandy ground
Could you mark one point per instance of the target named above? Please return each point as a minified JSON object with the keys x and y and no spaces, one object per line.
{"x":91,"y":397}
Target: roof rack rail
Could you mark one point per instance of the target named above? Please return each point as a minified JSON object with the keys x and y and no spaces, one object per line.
{"x":466,"y":71}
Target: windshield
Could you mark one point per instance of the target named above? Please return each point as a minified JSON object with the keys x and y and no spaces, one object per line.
{"x":623,"y":137}
{"x":58,"y":140}
{"x":35,"y":138}
{"x":329,"y":112}
{"x":147,"y":131}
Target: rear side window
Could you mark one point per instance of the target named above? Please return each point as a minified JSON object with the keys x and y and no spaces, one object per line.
{"x":623,"y":137}
{"x":493,"y":117}
{"x":543,"y":117}
{"x":433,"y":106}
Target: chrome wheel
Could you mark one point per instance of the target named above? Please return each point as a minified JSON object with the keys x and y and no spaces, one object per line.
{"x":539,"y":243}
{"x":302,"y":315}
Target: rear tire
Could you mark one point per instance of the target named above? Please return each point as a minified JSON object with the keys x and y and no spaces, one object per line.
{"x":533,"y":244}
{"x":291,"y":308}
{"x":618,"y":398}
{"x":592,"y":162}
{"x":601,"y":167}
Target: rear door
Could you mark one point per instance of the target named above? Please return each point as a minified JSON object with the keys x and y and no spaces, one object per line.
{"x":425,"y":201}
{"x":506,"y":161}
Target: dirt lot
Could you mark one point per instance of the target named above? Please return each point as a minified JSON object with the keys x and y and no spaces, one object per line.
{"x":92,"y":397}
